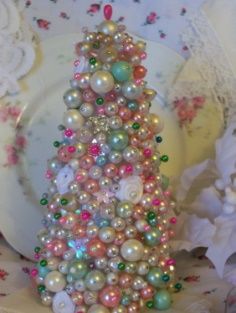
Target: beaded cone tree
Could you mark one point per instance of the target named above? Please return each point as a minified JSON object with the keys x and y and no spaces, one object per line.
{"x":104,"y":246}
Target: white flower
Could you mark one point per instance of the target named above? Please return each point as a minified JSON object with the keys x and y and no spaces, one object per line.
{"x":62,"y":303}
{"x":131,"y":189}
{"x":64,"y":178}
{"x":82,"y":65}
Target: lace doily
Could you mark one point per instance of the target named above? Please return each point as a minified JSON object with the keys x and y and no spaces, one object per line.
{"x":210,"y":60}
{"x":16,"y":48}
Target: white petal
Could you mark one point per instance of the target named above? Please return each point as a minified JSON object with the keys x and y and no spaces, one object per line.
{"x":62,"y":303}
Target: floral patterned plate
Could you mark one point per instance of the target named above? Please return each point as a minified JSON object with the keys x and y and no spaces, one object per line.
{"x":29,"y":124}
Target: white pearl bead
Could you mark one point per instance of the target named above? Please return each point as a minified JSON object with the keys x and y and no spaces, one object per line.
{"x":73,"y":119}
{"x":55,"y":281}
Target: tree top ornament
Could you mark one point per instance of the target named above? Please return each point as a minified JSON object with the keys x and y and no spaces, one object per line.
{"x":104,"y":247}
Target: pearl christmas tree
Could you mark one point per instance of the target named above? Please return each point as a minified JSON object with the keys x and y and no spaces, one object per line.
{"x":104,"y":246}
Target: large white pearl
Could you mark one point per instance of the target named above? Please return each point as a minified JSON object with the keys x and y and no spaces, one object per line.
{"x":73,"y":119}
{"x":132,"y":250}
{"x":55,"y":281}
{"x":98,"y":308}
{"x":102,"y":82}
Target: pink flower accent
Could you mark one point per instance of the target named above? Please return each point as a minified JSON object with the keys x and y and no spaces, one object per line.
{"x":12,"y":157}
{"x":14,"y":112}
{"x":3,"y":274}
{"x":151,"y":18}
{"x":20,"y":142}
{"x":4,"y":114}
{"x":9,"y":112}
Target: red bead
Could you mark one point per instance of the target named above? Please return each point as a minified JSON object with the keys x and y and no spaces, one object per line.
{"x":139,"y":72}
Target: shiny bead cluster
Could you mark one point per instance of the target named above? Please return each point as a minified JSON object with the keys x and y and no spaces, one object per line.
{"x":104,"y":246}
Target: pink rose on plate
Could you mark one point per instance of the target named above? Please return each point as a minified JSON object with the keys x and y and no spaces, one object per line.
{"x":131,"y":189}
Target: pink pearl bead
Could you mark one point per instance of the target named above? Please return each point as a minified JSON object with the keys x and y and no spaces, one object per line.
{"x":48,"y":174}
{"x":110,"y":296}
{"x":173,"y":220}
{"x":110,"y":96}
{"x":77,"y":76}
{"x":77,"y":298}
{"x":86,"y":162}
{"x":167,"y":193}
{"x":147,"y":152}
{"x":170,"y":262}
{"x":120,"y":238}
{"x":79,"y":231}
{"x":147,"y":292}
{"x":34,"y":272}
{"x":134,"y":141}
{"x":76,"y":62}
{"x":96,"y":248}
{"x":156,"y":202}
{"x":143,"y":55}
{"x":59,"y":248}
{"x":134,"y":308}
{"x":125,"y":113}
{"x":64,"y":155}
{"x":94,"y":149}
{"x":89,"y":95}
{"x":36,"y":256}
{"x":129,"y":169}
{"x":91,"y":186}
{"x":68,"y":132}
{"x":100,"y":110}
{"x":110,"y":170}
{"x":71,"y":149}
{"x":125,"y":280}
{"x":81,"y":175}
{"x":85,"y":215}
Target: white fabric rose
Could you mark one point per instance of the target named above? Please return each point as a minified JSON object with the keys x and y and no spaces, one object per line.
{"x":131,"y":189}
{"x":62,"y":303}
{"x":64,"y":178}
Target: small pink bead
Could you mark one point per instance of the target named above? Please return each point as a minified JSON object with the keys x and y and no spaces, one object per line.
{"x":71,"y":149}
{"x":85,"y":215}
{"x":156,"y":201}
{"x":77,"y":62}
{"x":170,"y":262}
{"x":173,"y":220}
{"x":36,"y":256}
{"x":147,"y":152}
{"x":110,"y":96}
{"x":143,"y":55}
{"x":100,"y":110}
{"x":129,"y":168}
{"x":138,"y":81}
{"x":167,"y":193}
{"x":68,"y":132}
{"x":147,"y":227}
{"x":163,"y":239}
{"x":94,"y":150}
{"x":48,"y":174}
{"x":77,"y":76}
{"x":34,"y":272}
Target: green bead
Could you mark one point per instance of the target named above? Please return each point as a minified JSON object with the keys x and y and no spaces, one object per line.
{"x":132,"y":105}
{"x":56,"y":144}
{"x":121,"y":266}
{"x":118,"y":139}
{"x":150,"y":304}
{"x":151,"y":215}
{"x":121,"y":71}
{"x":164,"y":158}
{"x":43,"y":263}
{"x":64,"y":201}
{"x":78,"y":269}
{"x":153,"y":222}
{"x":154,"y":277}
{"x":178,"y":286}
{"x":92,"y":61}
{"x":41,"y":288}
{"x":57,"y":215}
{"x":43,"y":201}
{"x":166,"y":278}
{"x":159,"y":139}
{"x":100,"y":101}
{"x":136,"y":125}
{"x":96,"y":45}
{"x":152,"y":237}
{"x":162,"y":300}
{"x":37,"y":249}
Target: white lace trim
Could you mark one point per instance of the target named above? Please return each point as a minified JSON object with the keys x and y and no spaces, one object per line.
{"x":212,"y":63}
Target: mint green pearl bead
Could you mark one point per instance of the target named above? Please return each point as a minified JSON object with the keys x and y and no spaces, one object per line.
{"x":121,"y":71}
{"x":154,"y":277}
{"x":132,"y":105}
{"x":152,"y":237}
{"x":162,"y":300}
{"x":78,"y":269}
{"x":118,"y":139}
